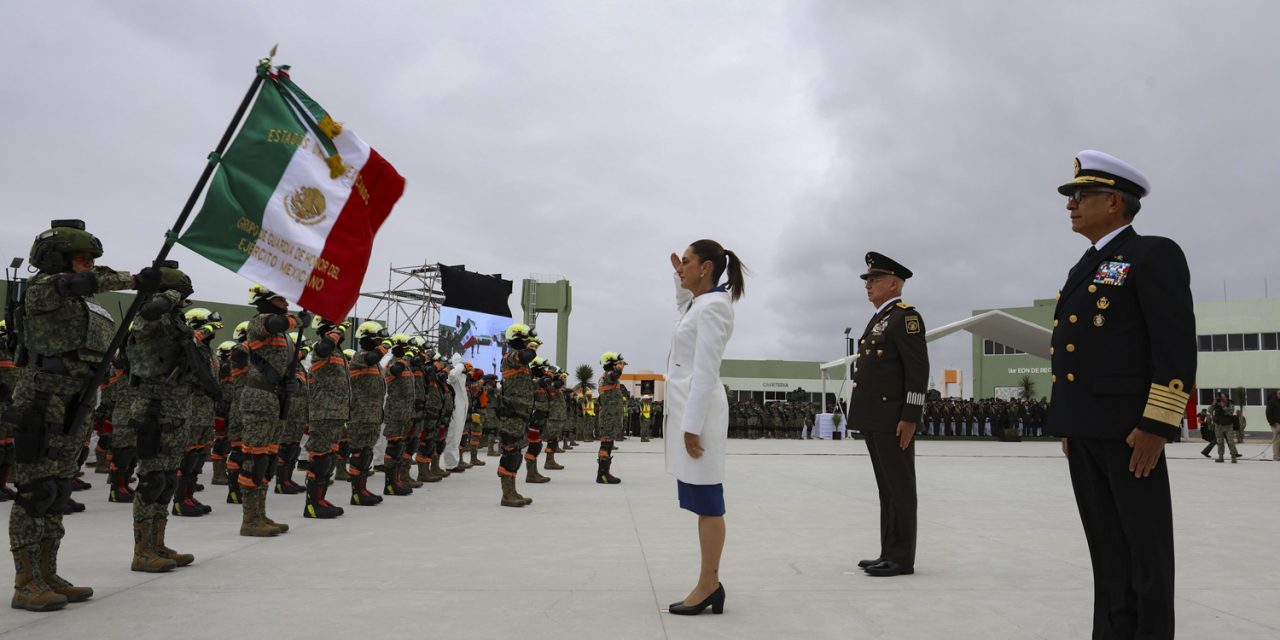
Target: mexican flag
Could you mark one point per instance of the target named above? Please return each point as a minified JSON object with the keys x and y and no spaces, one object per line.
{"x":296,"y":201}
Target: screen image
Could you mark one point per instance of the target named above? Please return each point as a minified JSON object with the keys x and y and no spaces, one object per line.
{"x":477,"y":336}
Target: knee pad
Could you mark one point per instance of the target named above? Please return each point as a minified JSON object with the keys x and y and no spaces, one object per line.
{"x":392,"y":452}
{"x":411,"y":447}
{"x":38,"y":497}
{"x":221,"y":446}
{"x":508,"y":440}
{"x":170,"y":487}
{"x":151,"y":486}
{"x":510,"y":461}
{"x":124,"y":458}
{"x":263,"y":468}
{"x":191,"y":462}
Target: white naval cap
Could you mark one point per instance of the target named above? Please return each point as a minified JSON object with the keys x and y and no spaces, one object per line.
{"x":1098,"y":169}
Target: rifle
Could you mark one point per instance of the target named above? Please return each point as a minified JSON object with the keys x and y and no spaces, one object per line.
{"x":12,"y":297}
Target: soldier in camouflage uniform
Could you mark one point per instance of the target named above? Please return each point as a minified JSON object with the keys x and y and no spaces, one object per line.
{"x":330,"y":407}
{"x":63,"y":334}
{"x":295,"y":425}
{"x":271,"y":359}
{"x":124,"y":452}
{"x":9,"y":375}
{"x":432,"y":404}
{"x":515,"y":409}
{"x":102,"y":425}
{"x":162,"y":373}
{"x":611,"y":416}
{"x":488,"y":417}
{"x":398,"y":415}
{"x":537,"y":424}
{"x":418,"y":367}
{"x":222,"y":412}
{"x":475,"y":413}
{"x":368,"y":392}
{"x":558,"y":419}
{"x":232,"y":387}
{"x":201,"y":412}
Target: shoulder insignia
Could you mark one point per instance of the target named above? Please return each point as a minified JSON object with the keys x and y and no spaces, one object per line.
{"x":903,"y":305}
{"x":912,"y":324}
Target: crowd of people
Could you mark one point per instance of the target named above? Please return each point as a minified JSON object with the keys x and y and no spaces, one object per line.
{"x":797,"y":419}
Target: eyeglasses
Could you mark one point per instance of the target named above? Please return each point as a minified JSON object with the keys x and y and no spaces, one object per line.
{"x":1077,"y":196}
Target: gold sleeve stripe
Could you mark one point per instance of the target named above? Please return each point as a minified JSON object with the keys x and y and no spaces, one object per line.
{"x":1166,"y":406}
{"x":1173,"y":391}
{"x":1165,"y":416}
{"x":1174,"y":397}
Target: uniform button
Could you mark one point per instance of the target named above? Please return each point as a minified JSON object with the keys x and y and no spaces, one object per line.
{"x":884,"y":398}
{"x":855,"y":385}
{"x":1055,"y":323}
{"x":1050,"y":350}
{"x":1053,"y":378}
{"x":1071,"y":347}
{"x":1072,"y":318}
{"x":1093,"y":288}
{"x":1071,"y":377}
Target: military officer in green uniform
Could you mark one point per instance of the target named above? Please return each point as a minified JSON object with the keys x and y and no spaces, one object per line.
{"x":1123,"y":360}
{"x":64,"y":333}
{"x":890,"y":377}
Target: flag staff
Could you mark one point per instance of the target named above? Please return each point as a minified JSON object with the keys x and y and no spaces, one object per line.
{"x":85,"y":399}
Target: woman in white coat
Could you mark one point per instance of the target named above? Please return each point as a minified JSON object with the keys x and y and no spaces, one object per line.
{"x":697,"y":412}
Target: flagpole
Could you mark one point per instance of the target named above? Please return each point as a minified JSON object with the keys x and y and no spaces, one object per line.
{"x":85,"y":400}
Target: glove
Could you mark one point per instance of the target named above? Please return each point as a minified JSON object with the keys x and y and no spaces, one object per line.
{"x":345,"y":327}
{"x":305,"y":317}
{"x":292,"y":386}
{"x":147,"y":280}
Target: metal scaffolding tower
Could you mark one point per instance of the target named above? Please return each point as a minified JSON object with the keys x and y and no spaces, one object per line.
{"x":411,"y":302}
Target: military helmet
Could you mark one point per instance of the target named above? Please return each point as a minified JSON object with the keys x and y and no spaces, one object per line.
{"x":241,"y":332}
{"x":419,"y":342}
{"x":320,"y":324}
{"x":349,"y":353}
{"x":4,"y":326}
{"x":370,"y":330}
{"x":226,"y":347}
{"x":173,"y":279}
{"x":199,"y":316}
{"x":611,"y":358}
{"x":52,"y":250}
{"x":401,"y":339}
{"x":517,"y":332}
{"x":535,"y":341}
{"x":259,"y":294}
{"x":538,"y":363}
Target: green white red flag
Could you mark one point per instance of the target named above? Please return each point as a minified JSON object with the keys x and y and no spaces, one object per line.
{"x":296,"y":201}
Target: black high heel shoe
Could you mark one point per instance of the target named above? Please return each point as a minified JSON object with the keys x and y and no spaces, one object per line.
{"x":715,"y":601}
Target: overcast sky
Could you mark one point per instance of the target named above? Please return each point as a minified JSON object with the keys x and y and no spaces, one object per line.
{"x":592,"y":139}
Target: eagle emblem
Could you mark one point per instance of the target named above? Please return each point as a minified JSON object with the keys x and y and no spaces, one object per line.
{"x":306,"y":205}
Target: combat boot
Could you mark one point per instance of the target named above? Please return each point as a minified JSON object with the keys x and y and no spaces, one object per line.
{"x":462,"y":464}
{"x":394,"y":484}
{"x":425,"y":474}
{"x":145,"y":557}
{"x":219,"y":472}
{"x":406,"y":478}
{"x":251,"y":525}
{"x":551,"y":461}
{"x":436,"y":468}
{"x":531,"y":472}
{"x":49,"y":572}
{"x":284,"y":478}
{"x":101,"y":464}
{"x":340,"y":473}
{"x":360,"y":494}
{"x":509,"y":496}
{"x":261,"y":498}
{"x":493,"y":448}
{"x":644,"y":438}
{"x":602,"y":472}
{"x":158,"y":529}
{"x":120,"y":490}
{"x":475,"y":458}
{"x":317,"y":506}
{"x":185,"y":504}
{"x":30,"y":591}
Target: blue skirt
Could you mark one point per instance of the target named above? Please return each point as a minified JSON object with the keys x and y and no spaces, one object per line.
{"x":702,"y":499}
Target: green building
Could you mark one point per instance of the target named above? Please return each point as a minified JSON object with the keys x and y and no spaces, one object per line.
{"x":999,"y":371}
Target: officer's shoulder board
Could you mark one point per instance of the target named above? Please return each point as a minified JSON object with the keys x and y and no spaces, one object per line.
{"x":903,"y":305}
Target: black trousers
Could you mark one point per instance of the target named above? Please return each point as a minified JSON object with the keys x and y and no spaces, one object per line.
{"x":1128,"y":523}
{"x":895,"y":470}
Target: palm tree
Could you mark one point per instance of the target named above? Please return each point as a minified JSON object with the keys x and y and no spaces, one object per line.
{"x":1028,"y":387}
{"x":585,"y":376}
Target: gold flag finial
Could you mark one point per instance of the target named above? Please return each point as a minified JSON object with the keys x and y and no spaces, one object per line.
{"x":273,"y":50}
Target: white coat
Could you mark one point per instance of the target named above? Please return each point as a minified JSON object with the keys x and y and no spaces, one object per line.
{"x":453,"y":437}
{"x":695,"y":401}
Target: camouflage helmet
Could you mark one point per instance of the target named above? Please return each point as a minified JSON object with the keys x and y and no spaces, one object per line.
{"x":241,"y":332}
{"x":370,"y":330}
{"x":199,"y":316}
{"x":610,"y":358}
{"x":52,"y":250}
{"x":226,"y":347}
{"x":259,"y":294}
{"x":173,"y":279}
{"x":519,"y":332}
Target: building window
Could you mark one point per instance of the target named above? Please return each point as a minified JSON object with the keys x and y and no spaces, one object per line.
{"x":1270,"y":341}
{"x":988,"y":348}
{"x":1235,"y":342}
{"x":1253,"y":397}
{"x":1250,"y":342}
{"x":1220,"y":342}
{"x":992,"y":348}
{"x":1205,"y":342}
{"x":1206,"y":397}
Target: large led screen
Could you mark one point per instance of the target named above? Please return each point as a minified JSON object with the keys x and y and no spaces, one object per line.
{"x":477,"y":336}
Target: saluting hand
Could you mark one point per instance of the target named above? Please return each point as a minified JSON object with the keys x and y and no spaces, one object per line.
{"x":1147,"y":448}
{"x":693,"y":445}
{"x":905,"y":432}
{"x":675,"y":261}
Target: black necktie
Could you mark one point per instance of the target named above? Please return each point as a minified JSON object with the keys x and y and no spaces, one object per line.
{"x":1088,"y":256}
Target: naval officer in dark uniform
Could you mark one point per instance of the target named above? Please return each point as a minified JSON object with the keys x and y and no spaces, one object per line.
{"x":1124,"y":363}
{"x":889,"y":380}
